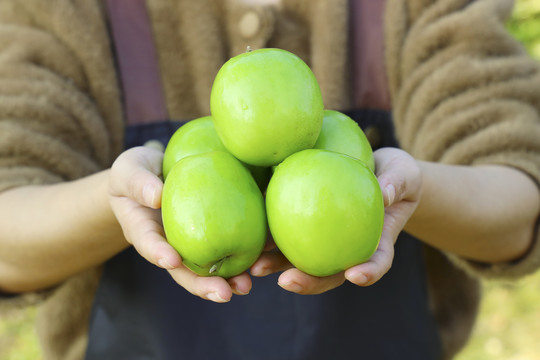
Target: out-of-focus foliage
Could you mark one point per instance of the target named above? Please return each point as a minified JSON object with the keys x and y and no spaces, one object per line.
{"x":18,"y":339}
{"x":509,"y":323}
{"x":525,"y":25}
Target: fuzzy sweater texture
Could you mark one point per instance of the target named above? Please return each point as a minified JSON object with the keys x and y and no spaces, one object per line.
{"x":463,"y":92}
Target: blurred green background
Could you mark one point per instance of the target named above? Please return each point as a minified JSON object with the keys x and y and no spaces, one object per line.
{"x":525,"y":25}
{"x":509,"y":324}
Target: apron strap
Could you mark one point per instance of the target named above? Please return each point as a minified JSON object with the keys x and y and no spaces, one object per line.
{"x":144,"y":100}
{"x":370,"y":84}
{"x":137,"y":62}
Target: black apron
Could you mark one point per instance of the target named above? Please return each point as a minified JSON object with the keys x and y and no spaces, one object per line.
{"x":141,"y":313}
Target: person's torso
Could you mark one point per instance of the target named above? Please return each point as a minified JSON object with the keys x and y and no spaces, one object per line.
{"x":141,"y":313}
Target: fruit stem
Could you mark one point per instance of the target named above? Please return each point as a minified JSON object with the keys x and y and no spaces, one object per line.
{"x":249,"y":49}
{"x":214,"y":268}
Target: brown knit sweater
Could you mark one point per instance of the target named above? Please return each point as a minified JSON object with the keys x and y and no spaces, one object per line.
{"x":463,"y":92}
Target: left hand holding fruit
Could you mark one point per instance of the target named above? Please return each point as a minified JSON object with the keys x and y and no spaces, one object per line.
{"x":400,"y":179}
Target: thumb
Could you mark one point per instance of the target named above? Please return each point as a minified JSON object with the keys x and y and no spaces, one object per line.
{"x":399,"y":175}
{"x":135,"y":174}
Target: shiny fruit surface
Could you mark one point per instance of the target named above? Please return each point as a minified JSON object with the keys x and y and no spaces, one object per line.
{"x":213,"y":214}
{"x":342,"y":134}
{"x":195,"y":137}
{"x":325,"y":211}
{"x":266,"y":105}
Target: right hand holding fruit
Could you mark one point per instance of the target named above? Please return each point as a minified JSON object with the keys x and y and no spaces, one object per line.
{"x":135,"y":198}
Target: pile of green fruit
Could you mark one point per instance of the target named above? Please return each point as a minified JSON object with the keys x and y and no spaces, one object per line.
{"x":270,"y":156}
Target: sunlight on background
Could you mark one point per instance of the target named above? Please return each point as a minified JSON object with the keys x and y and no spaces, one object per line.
{"x":509,"y":323}
{"x":525,"y":25}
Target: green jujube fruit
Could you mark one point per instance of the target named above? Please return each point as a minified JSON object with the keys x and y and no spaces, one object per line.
{"x":214,"y":214}
{"x":325,"y":211}
{"x":195,"y":137}
{"x":266,"y":105}
{"x":342,"y":134}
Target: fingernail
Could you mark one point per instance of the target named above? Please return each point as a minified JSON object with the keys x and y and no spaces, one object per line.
{"x":238,"y":292}
{"x":155,"y":144}
{"x":164,"y":263}
{"x":358,"y":278}
{"x":149,"y":194}
{"x":390,"y":193}
{"x":216,"y":298}
{"x":262,"y":271}
{"x":291,"y":286}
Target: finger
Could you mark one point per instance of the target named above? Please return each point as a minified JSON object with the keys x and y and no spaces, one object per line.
{"x":155,"y":249}
{"x":398,"y":174}
{"x":298,"y":282}
{"x":213,"y":288}
{"x":241,"y":284}
{"x":373,"y":270}
{"x":155,"y":144}
{"x":270,"y":262}
{"x":145,"y":233}
{"x":135,"y":174}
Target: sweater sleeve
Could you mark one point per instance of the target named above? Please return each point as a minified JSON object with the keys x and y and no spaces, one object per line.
{"x":465,"y":92}
{"x":59,"y":111}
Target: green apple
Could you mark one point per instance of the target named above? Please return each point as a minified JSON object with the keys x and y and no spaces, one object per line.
{"x":214,"y":214}
{"x":325,"y":211}
{"x":199,"y":136}
{"x":342,"y":134}
{"x":266,"y":105}
{"x":195,"y":137}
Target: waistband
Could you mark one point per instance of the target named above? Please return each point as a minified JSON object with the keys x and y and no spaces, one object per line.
{"x":376,"y":124}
